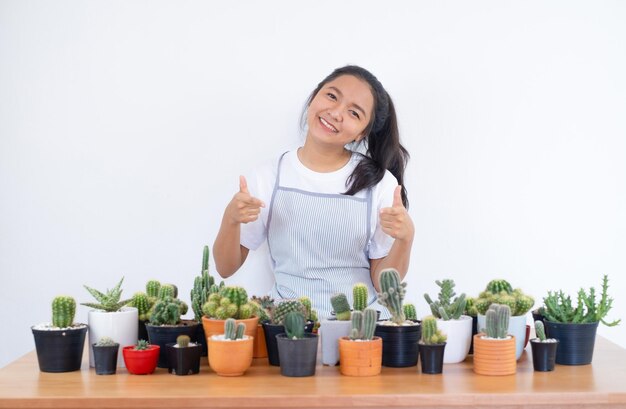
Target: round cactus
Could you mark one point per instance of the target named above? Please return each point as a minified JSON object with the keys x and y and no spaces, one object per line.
{"x":340,"y":306}
{"x":285,"y":307}
{"x":495,"y":286}
{"x":141,"y":301}
{"x":152,"y":288}
{"x":183,"y":341}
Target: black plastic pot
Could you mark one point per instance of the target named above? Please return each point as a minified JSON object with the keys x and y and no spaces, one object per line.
{"x":474,"y":332}
{"x":142,"y":332}
{"x":200,"y":339}
{"x":105,"y":358}
{"x":184,"y":361}
{"x":400,"y":344}
{"x":544,"y":354}
{"x":431,"y":358}
{"x":576,"y":341}
{"x":297,"y":356}
{"x":60,"y":350}
{"x":167,"y":334}
{"x":271,"y":330}
{"x":537,"y":315}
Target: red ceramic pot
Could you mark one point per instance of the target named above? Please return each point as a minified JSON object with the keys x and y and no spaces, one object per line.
{"x":142,"y":362}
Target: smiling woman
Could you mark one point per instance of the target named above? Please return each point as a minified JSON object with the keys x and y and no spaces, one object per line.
{"x":334,"y":217}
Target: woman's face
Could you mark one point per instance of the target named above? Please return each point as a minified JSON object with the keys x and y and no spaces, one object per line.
{"x":340,"y":112}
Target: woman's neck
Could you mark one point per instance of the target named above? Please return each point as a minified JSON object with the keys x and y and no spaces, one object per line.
{"x":323,"y":160}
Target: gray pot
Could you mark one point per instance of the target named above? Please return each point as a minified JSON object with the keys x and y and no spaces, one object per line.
{"x":298,"y":357}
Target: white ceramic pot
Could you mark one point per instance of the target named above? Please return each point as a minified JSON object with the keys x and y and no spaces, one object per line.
{"x":330,"y":331}
{"x":459,"y":334}
{"x":121,"y":326}
{"x":517,"y":327}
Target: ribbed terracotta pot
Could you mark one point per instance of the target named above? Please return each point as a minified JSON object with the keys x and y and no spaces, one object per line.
{"x":260,"y":347}
{"x":360,"y":358}
{"x":494,"y":356}
{"x":230,"y":358}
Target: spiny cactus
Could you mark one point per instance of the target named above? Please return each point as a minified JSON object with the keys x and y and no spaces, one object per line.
{"x":106,"y":342}
{"x":142,"y":345}
{"x":142,"y":302}
{"x":183,"y":341}
{"x":230,"y":302}
{"x":264,"y":306}
{"x":497,"y":285}
{"x":470,"y":307}
{"x":409,"y":312}
{"x":152,"y":288}
{"x":430,"y":333}
{"x":391,"y":294}
{"x":500,"y":292}
{"x":341,"y":306}
{"x":540,"y":330}
{"x":167,"y":290}
{"x":63,"y":311}
{"x":359,"y":297}
{"x":285,"y":307}
{"x":109,"y":301}
{"x":497,"y":321}
{"x":444,"y":307}
{"x":166,"y":311}
{"x":294,"y":325}
{"x":363,"y":324}
{"x":202,"y":286}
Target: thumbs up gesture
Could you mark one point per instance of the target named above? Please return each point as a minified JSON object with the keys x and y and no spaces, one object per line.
{"x":395,"y":220}
{"x":243,"y":208}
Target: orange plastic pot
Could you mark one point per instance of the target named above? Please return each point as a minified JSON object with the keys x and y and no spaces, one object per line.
{"x":260,"y":348}
{"x":230,"y":358}
{"x":360,"y":358}
{"x":494,"y":356}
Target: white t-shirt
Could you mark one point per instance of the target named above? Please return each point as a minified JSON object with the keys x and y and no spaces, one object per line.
{"x":295,"y":175}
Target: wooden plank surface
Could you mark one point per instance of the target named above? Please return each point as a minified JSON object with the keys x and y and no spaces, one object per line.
{"x":599,"y":385}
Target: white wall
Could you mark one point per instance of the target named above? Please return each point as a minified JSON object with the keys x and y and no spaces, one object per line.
{"x":125,"y":124}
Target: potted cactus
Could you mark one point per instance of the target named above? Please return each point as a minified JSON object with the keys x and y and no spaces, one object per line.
{"x":432,"y":346}
{"x":501,"y":292}
{"x":203,"y":286}
{"x":297,"y":349}
{"x":60,"y":344}
{"x":110,"y":317}
{"x":105,"y":353}
{"x":451,"y":320}
{"x":165,"y":321}
{"x":339,"y":325}
{"x":494,"y":348}
{"x":575,"y":327}
{"x":144,"y":304}
{"x":400,"y":336}
{"x":229,"y":302}
{"x":264,"y":306}
{"x":230,"y":353}
{"x":184,"y":356}
{"x":141,"y":358}
{"x":361,"y":353}
{"x":275,"y":326}
{"x":544,"y":349}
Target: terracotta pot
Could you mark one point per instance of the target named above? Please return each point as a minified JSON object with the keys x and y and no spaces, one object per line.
{"x":360,"y":358}
{"x":214,"y":326}
{"x":494,"y":356}
{"x":260,"y":347}
{"x":141,"y":362}
{"x":230,"y":358}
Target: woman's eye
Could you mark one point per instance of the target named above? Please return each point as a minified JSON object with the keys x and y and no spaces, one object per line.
{"x":331,"y":96}
{"x":355,"y":114}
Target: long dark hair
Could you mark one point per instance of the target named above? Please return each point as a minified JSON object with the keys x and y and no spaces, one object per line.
{"x":383,"y":150}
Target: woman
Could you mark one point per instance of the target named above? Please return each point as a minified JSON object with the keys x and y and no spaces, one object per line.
{"x":335,"y":217}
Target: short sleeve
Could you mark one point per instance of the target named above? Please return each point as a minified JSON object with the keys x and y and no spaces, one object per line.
{"x":260,"y":184}
{"x":382,"y":196}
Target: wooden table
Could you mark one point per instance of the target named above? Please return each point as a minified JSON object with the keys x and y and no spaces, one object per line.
{"x":599,"y":385}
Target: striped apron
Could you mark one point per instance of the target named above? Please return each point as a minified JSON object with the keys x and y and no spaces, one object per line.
{"x":318,"y":244}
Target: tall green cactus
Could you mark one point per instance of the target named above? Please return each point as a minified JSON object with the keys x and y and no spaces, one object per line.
{"x":391,"y":294}
{"x":152,"y":288}
{"x":341,"y":306}
{"x":430,"y":333}
{"x":202,"y":286}
{"x":294,"y":325}
{"x":63,"y":311}
{"x":445,"y":308}
{"x":540,"y":330}
{"x":363,"y":324}
{"x":359,"y":297}
{"x":497,"y":321}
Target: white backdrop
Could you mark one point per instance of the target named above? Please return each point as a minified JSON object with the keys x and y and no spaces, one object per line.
{"x":124,"y":126}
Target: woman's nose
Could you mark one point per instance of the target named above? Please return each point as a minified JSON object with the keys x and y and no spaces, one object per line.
{"x":335,"y":113}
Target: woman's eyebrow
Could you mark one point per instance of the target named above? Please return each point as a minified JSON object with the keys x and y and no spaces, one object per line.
{"x":341,"y":95}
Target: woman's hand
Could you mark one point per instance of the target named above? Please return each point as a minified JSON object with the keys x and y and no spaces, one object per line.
{"x":395,"y":220}
{"x":243,"y":208}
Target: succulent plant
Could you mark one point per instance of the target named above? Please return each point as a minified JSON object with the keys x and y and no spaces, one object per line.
{"x":166,"y":311}
{"x":264,"y":306}
{"x":497,"y":321}
{"x":445,"y":308}
{"x":152,"y":288}
{"x":202,"y":285}
{"x":167,"y":290}
{"x":143,"y":303}
{"x":540,"y":330}
{"x":106,"y":342}
{"x":63,"y":311}
{"x":430,"y":334}
{"x":559,"y":308}
{"x":294,"y":325}
{"x":363,"y":324}
{"x":392,"y":294}
{"x":230,"y":302}
{"x":359,"y":297}
{"x":232,"y":330}
{"x":183,"y":341}
{"x":341,"y":306}
{"x":141,"y":345}
{"x":409,"y":312}
{"x":470,"y":307}
{"x":500,"y":292}
{"x":109,"y":301}
{"x":285,"y":307}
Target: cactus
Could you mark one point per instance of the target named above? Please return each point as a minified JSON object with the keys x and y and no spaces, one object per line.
{"x":498,"y":285}
{"x":230,"y":302}
{"x":202,"y":285}
{"x":152,"y":288}
{"x":341,"y":306}
{"x":142,"y":302}
{"x":444,"y":307}
{"x":241,"y":329}
{"x":167,"y":290}
{"x":540,"y":330}
{"x":359,"y":297}
{"x":501,"y":292}
{"x":430,"y":334}
{"x":363,"y":324}
{"x":109,"y":301}
{"x":229,"y":328}
{"x":409,"y":312}
{"x":141,"y":345}
{"x":166,"y":311}
{"x":264,"y":306}
{"x":294,"y":325}
{"x":497,"y":321}
{"x":285,"y":307}
{"x":183,"y":341}
{"x":470,"y":307}
{"x":106,"y":342}
{"x":63,"y":311}
{"x":392,"y":293}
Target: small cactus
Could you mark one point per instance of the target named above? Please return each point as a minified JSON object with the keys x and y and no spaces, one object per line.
{"x":359,"y":297}
{"x":152,"y":288}
{"x":142,"y":345}
{"x":445,"y":307}
{"x":229,"y":328}
{"x":540,"y":330}
{"x":106,"y":342}
{"x":166,"y":311}
{"x":294,"y":325}
{"x":167,"y":290}
{"x":285,"y":307}
{"x":142,"y":302}
{"x":409,"y":312}
{"x":340,"y":306}
{"x":430,"y":333}
{"x":497,"y":321}
{"x":391,"y":294}
{"x":183,"y":341}
{"x":63,"y":311}
{"x":363,"y":324}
